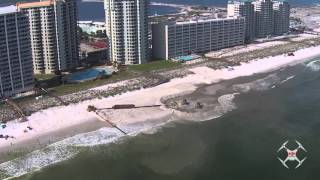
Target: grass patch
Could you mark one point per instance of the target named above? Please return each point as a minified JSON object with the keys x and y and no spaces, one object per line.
{"x":44,"y":76}
{"x":155,"y":65}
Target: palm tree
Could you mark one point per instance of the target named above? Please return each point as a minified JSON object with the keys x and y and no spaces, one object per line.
{"x":115,"y":65}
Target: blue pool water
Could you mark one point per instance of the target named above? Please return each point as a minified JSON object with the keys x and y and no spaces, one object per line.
{"x":186,"y":58}
{"x":87,"y":75}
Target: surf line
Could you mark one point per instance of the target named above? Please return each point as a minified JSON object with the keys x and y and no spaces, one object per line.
{"x":120,"y":106}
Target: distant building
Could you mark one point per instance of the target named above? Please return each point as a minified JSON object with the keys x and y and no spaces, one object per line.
{"x":245,"y":9}
{"x":264,"y":18}
{"x":174,"y":39}
{"x":127,"y":30}
{"x":91,"y":26}
{"x":281,"y":11}
{"x":94,"y":53}
{"x":16,"y":73}
{"x":54,"y":37}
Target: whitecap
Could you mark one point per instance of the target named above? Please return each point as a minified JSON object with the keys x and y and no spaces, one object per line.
{"x":226,"y":102}
{"x":258,"y":85}
{"x":314,"y":65}
{"x":70,"y":147}
{"x":287,"y":79}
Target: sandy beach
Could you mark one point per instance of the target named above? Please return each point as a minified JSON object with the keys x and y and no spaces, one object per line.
{"x":56,"y":123}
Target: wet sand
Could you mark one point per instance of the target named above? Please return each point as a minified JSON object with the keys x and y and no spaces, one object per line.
{"x":16,"y":149}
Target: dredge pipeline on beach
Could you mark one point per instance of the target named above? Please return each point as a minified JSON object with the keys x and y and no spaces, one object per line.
{"x":119,"y":106}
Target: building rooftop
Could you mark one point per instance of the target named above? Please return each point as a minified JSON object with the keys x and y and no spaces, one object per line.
{"x":99,"y":23}
{"x":233,"y":1}
{"x":35,"y":4}
{"x":206,"y":20}
{"x":94,"y":46}
{"x":8,"y":9}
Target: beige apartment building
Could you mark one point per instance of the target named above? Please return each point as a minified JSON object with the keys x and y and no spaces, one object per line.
{"x":127,"y":30}
{"x":54,"y":37}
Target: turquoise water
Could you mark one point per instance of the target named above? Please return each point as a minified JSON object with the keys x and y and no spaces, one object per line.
{"x":185,"y":58}
{"x":89,"y":74}
{"x":270,"y":109}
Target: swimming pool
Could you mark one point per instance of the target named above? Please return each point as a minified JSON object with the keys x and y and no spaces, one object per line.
{"x":188,"y":57}
{"x":185,"y":58}
{"x":88,"y":74}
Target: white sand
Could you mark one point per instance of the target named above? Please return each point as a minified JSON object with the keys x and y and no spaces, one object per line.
{"x":252,"y":47}
{"x":56,"y":118}
{"x":242,"y":49}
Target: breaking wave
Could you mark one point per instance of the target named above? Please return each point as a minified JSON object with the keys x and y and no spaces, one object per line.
{"x":258,"y":85}
{"x":226,"y":102}
{"x":69,"y":148}
{"x":225,"y":105}
{"x":287,"y":79}
{"x":314,"y":65}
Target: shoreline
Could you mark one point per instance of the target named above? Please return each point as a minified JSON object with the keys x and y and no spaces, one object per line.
{"x":60,"y":120}
{"x":41,"y":141}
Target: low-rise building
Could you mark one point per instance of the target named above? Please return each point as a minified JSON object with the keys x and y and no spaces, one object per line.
{"x":175,"y":39}
{"x":94,"y":53}
{"x":92,"y":26}
{"x":16,"y":72}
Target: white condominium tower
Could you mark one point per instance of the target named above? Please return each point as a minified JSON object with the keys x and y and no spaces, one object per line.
{"x":281,"y":17}
{"x":127,"y":30}
{"x":245,"y":9}
{"x":264,"y":18}
{"x":54,"y":39}
{"x":16,"y":73}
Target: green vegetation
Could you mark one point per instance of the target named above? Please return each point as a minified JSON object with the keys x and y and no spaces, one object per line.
{"x":155,"y":65}
{"x":130,"y":72}
{"x":44,"y":76}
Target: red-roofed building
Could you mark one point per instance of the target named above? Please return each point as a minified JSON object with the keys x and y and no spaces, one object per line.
{"x":93,"y":53}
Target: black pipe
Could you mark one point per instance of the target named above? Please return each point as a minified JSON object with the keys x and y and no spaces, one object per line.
{"x":132,"y":107}
{"x":113,"y":125}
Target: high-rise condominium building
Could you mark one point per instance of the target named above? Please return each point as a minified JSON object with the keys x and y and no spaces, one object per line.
{"x":245,"y":9}
{"x":264,"y":18}
{"x":127,"y":30}
{"x":174,"y":39}
{"x":281,"y":11}
{"x":16,"y":73}
{"x":54,"y":37}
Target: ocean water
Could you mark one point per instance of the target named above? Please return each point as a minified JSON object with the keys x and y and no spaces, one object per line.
{"x":267,"y":110}
{"x":224,"y":2}
{"x":94,"y":10}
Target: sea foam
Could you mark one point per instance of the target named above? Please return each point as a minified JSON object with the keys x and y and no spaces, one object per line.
{"x":314,"y":65}
{"x":258,"y":85}
{"x":69,"y":148}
